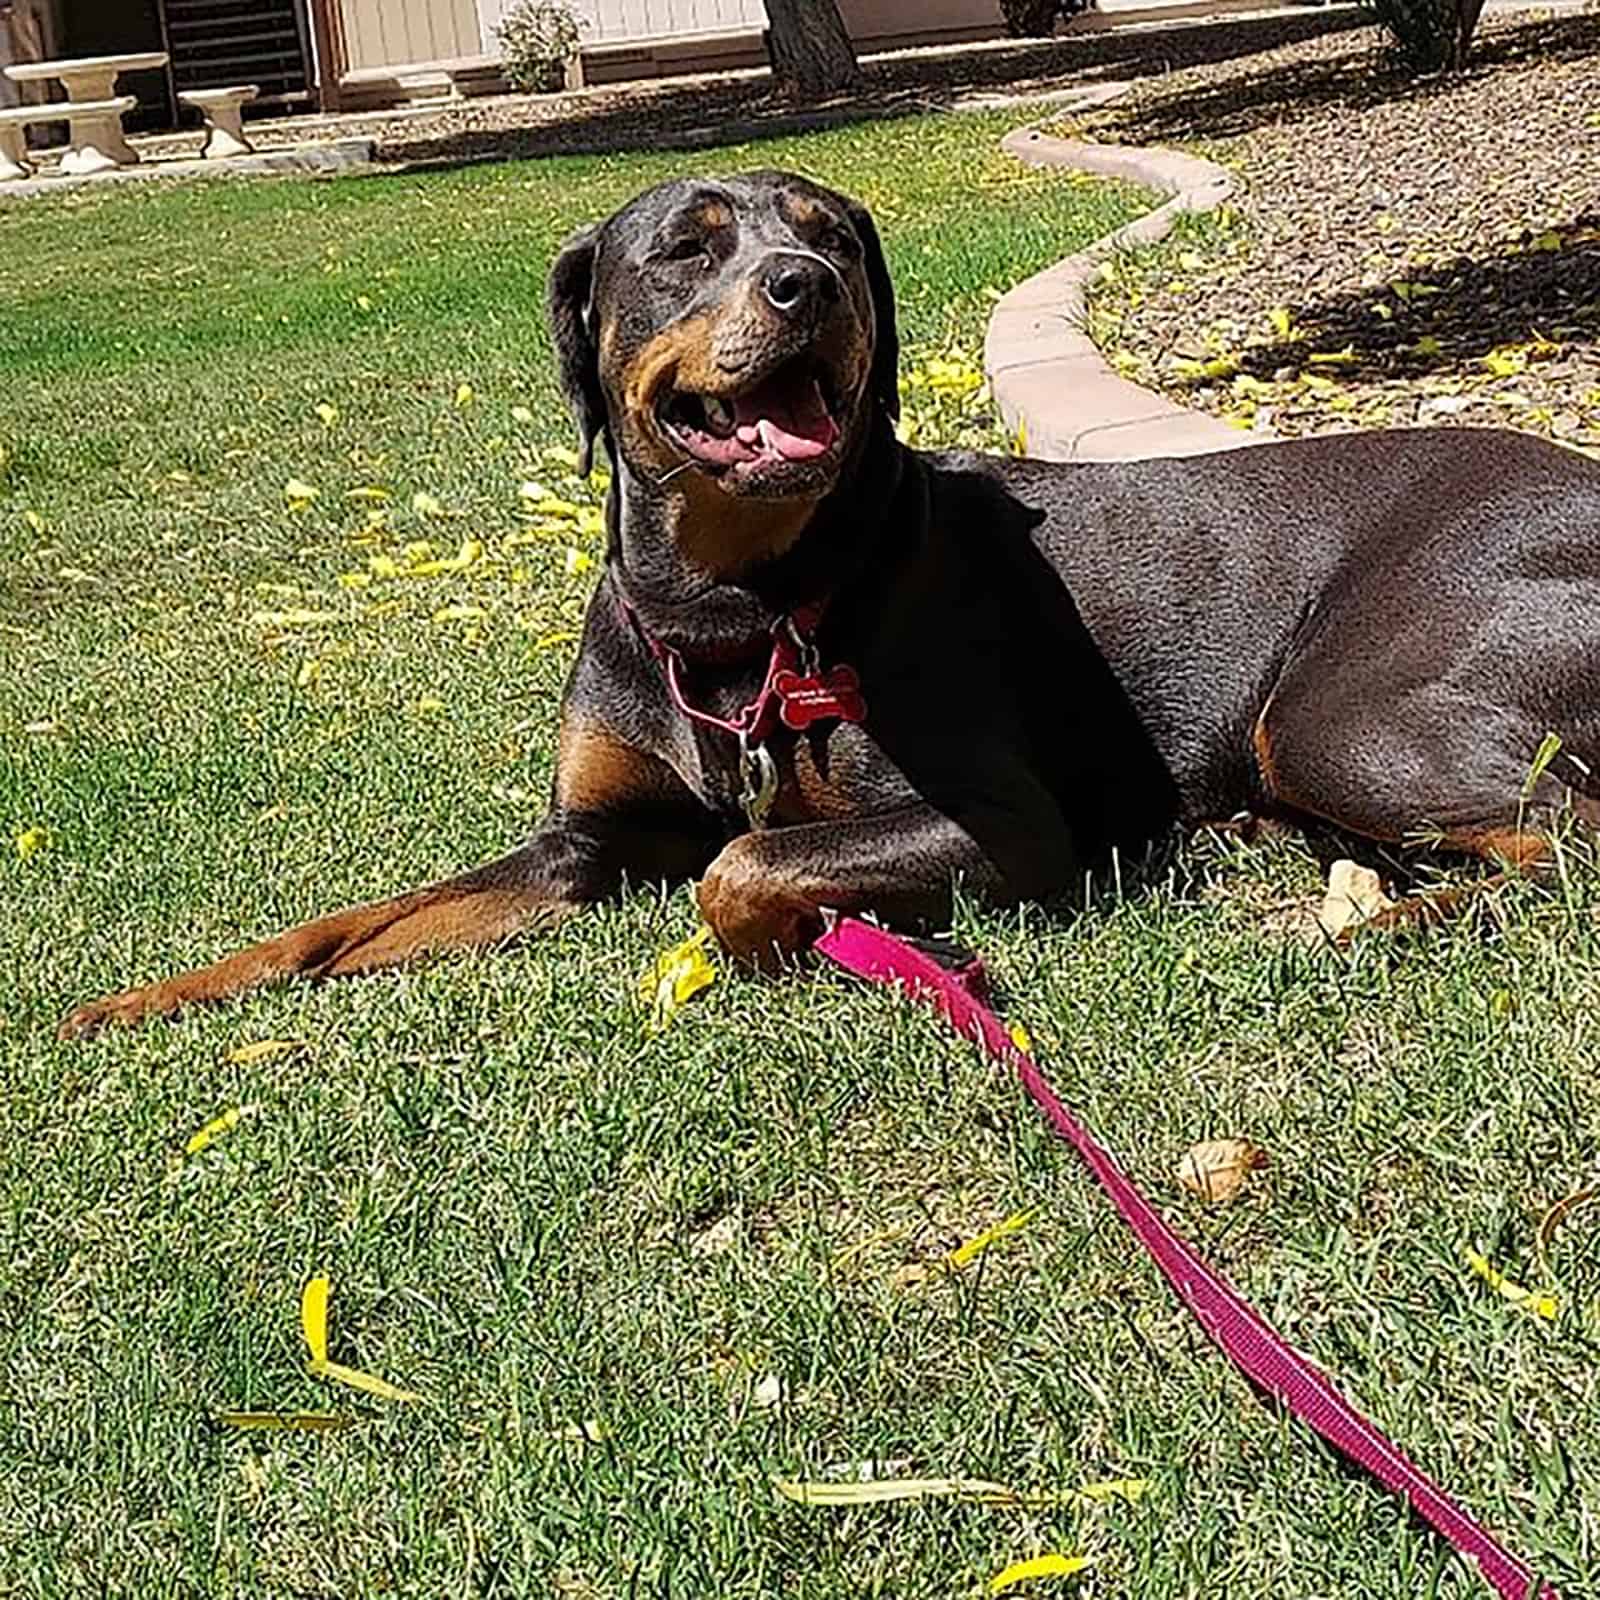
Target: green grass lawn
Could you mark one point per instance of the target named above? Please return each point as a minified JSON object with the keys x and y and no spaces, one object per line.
{"x":222,"y":713}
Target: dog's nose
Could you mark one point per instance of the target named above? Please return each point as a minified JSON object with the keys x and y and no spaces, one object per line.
{"x":794,"y":285}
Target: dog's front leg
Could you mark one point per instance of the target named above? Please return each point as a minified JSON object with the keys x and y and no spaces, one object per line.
{"x":619,"y":814}
{"x":765,"y":893}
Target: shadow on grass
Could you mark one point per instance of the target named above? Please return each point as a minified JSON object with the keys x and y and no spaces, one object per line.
{"x":690,"y":114}
{"x":1365,"y":75}
{"x":1542,"y":286}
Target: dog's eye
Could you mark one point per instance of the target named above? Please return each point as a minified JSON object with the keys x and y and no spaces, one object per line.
{"x":688,"y":248}
{"x":839,"y":241}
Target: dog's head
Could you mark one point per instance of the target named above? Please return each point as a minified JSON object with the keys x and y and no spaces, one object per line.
{"x":737,"y":333}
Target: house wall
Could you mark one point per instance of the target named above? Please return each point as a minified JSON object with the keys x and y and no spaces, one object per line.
{"x":384,"y":33}
{"x":622,"y":39}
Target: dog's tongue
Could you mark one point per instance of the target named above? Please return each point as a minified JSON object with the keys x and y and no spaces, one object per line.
{"x":788,"y":418}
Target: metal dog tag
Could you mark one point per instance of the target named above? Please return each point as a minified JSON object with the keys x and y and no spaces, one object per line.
{"x":758,"y":774}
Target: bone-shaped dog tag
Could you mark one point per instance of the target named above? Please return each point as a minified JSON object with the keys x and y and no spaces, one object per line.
{"x":834,"y":695}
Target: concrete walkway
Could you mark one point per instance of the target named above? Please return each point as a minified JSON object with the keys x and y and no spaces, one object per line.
{"x":334,"y":155}
{"x":1047,"y":375}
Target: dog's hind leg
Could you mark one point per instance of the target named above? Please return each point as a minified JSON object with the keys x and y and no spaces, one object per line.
{"x":1415,"y":771}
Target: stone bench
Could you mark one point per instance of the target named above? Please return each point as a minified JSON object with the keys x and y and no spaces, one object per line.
{"x":223,"y":110}
{"x":94,"y":134}
{"x":14,"y":161}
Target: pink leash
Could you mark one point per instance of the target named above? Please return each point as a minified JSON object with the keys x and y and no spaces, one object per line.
{"x":1255,"y":1347}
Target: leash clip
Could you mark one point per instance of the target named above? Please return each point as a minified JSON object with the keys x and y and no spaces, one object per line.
{"x":805,"y":647}
{"x":758,"y":776}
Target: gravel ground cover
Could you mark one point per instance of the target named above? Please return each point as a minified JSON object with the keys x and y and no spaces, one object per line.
{"x":1398,"y":253}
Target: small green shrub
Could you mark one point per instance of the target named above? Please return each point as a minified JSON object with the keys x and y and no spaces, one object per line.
{"x":1036,"y":19}
{"x":537,"y":38}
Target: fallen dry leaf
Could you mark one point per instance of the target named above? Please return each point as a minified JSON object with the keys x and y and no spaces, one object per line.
{"x":1216,"y":1169}
{"x":1553,"y":1219}
{"x":718,"y":1239}
{"x":1354,"y":895}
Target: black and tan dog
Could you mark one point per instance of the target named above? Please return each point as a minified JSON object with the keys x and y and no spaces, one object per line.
{"x":824,"y":670}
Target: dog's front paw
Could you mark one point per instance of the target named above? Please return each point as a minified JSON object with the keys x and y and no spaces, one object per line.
{"x":125,"y":1010}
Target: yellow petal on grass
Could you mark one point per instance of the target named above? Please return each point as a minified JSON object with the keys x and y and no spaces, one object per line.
{"x":1541,"y":1305}
{"x":298,"y":617}
{"x":426,"y":505}
{"x":1130,"y":1490}
{"x":882,"y":1491}
{"x":551,"y":640}
{"x":1282,"y":320}
{"x":576,"y":562}
{"x":551,"y":505}
{"x":245,"y":1055}
{"x":675,"y":978}
{"x":292,"y":1421}
{"x":213,"y":1130}
{"x":369,"y":494}
{"x":1054,"y":1565}
{"x":364,"y":1381}
{"x":586,"y":1432}
{"x":464,"y":396}
{"x":1021,"y":1038}
{"x":314,"y":1325}
{"x":470,"y":551}
{"x":31,"y":841}
{"x":314,"y":1317}
{"x":298,"y":494}
{"x":974,"y":1247}
{"x":522,"y":415}
{"x":329,"y":415}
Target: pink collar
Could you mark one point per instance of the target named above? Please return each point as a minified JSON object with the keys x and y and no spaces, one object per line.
{"x":794,"y":693}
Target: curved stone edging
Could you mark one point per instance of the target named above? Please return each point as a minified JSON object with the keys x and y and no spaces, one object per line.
{"x":1045,"y":372}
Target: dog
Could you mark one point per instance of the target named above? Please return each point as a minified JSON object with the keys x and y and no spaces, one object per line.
{"x":824,"y":670}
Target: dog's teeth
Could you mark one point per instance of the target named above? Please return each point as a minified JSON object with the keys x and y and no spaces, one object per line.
{"x":718,"y":413}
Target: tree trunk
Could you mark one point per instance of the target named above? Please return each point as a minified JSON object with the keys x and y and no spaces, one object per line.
{"x":1466,"y":22}
{"x":811,"y":53}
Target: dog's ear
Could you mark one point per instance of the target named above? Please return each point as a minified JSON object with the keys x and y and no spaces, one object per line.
{"x":884,"y":380}
{"x":571,"y":301}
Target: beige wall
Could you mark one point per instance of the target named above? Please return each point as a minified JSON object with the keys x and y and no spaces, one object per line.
{"x":876,"y":20}
{"x":384,"y":33}
{"x":683,"y":35}
{"x":619,"y":20}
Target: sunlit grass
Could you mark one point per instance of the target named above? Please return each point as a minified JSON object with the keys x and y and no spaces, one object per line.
{"x":230,"y":704}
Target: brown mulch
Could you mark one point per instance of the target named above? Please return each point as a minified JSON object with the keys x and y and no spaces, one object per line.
{"x":721,"y":108}
{"x":1404,"y":252}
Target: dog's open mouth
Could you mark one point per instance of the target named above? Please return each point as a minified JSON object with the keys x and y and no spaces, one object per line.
{"x":788,"y":417}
